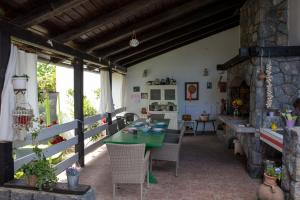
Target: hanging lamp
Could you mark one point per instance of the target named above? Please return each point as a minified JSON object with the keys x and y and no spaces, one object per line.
{"x":133,"y":42}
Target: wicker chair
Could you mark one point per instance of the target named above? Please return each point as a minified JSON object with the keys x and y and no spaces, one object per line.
{"x":112,"y":129}
{"x":121,"y":123}
{"x":129,"y":164}
{"x":130,"y":117}
{"x":170,"y":149}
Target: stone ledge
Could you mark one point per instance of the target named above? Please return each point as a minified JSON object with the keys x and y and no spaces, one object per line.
{"x":21,"y":194}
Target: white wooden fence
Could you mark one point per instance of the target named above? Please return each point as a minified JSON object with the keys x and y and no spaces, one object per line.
{"x":49,"y":133}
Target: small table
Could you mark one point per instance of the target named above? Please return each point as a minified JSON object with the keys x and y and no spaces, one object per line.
{"x":204,"y":122}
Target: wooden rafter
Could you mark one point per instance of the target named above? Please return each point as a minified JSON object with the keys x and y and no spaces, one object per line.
{"x":207,"y":14}
{"x":103,"y":20}
{"x":172,"y":45}
{"x":111,"y":38}
{"x":33,"y":39}
{"x":45,"y":12}
{"x":204,"y":26}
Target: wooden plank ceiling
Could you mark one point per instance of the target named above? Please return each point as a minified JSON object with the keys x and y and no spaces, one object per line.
{"x":103,"y":28}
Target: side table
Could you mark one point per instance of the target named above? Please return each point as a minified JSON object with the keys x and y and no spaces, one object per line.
{"x":212,"y":121}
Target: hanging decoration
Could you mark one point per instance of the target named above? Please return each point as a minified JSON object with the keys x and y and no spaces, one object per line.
{"x":261,"y":75}
{"x":269,"y":84}
{"x":23,"y":113}
{"x":134,"y":41}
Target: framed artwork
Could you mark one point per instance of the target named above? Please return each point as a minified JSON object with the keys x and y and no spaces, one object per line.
{"x":209,"y":85}
{"x":136,"y":89}
{"x":144,"y":95}
{"x":191,"y":91}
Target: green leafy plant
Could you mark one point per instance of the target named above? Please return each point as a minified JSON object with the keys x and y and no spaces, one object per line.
{"x":40,"y":166}
{"x":88,"y":110}
{"x":274,"y":172}
{"x":288,"y":116}
{"x":46,"y":76}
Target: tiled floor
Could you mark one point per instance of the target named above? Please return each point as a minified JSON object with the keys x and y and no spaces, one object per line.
{"x":208,"y":171}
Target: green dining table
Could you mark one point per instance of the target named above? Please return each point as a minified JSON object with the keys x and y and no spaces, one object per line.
{"x":150,"y":139}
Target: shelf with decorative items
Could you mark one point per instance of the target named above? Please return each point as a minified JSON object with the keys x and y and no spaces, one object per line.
{"x":162,"y":99}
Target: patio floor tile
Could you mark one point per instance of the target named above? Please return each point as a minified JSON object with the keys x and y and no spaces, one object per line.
{"x":208,"y":171}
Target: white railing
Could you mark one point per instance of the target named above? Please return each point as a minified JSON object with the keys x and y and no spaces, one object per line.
{"x":97,"y":130}
{"x":49,"y":133}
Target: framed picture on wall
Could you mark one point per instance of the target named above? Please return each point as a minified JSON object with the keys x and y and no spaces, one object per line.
{"x":209,"y":85}
{"x":191,"y":91}
{"x":136,"y":89}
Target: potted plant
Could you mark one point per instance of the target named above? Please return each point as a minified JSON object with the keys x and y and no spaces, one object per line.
{"x":269,"y":189}
{"x":39,"y":172}
{"x":290,"y":119}
{"x":20,"y":82}
{"x":236,"y":104}
{"x":72,"y":177}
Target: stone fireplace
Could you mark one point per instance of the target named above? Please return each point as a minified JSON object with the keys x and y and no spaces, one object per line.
{"x":264,"y":23}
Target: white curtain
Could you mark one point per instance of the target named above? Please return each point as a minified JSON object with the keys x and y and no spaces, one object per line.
{"x":19,"y":63}
{"x":123,"y":91}
{"x":8,"y":98}
{"x":106,"y":100}
{"x":26,"y":64}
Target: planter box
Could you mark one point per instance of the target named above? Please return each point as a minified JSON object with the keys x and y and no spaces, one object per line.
{"x":18,"y":190}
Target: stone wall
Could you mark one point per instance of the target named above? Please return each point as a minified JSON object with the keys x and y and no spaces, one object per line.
{"x":263,"y":23}
{"x":19,"y":194}
{"x":291,"y":164}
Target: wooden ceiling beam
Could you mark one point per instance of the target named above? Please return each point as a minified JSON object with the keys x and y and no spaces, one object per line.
{"x":172,"y":45}
{"x":206,"y":14}
{"x":107,"y":40}
{"x":114,"y":15}
{"x":46,"y":11}
{"x":203,"y":26}
{"x":27,"y":37}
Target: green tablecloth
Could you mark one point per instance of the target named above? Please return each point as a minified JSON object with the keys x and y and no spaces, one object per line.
{"x":150,"y":139}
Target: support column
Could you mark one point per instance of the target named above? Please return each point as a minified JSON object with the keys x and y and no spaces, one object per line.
{"x":78,"y":107}
{"x":109,"y":116}
{"x":6,"y":152}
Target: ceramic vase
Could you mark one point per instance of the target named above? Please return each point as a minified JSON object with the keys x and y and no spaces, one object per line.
{"x":269,"y":190}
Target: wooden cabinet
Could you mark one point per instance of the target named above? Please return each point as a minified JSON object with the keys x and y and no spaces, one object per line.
{"x":163,"y":100}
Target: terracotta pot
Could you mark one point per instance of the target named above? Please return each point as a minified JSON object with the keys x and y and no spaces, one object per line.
{"x":31,"y":180}
{"x":269,"y":190}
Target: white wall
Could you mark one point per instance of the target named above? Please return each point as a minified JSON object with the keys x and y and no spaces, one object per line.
{"x":186,"y":64}
{"x":294,"y":22}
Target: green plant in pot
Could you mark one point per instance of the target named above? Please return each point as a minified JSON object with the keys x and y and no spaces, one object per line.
{"x":290,"y":119}
{"x":39,"y":172}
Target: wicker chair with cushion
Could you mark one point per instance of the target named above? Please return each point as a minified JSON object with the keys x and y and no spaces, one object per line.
{"x":129,"y":164}
{"x":170,"y":149}
{"x":112,"y":129}
{"x":131,"y":117}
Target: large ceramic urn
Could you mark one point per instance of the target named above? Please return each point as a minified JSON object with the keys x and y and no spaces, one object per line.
{"x":269,"y":190}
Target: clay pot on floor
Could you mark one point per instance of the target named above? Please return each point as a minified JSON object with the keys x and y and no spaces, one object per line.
{"x":269,"y":190}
